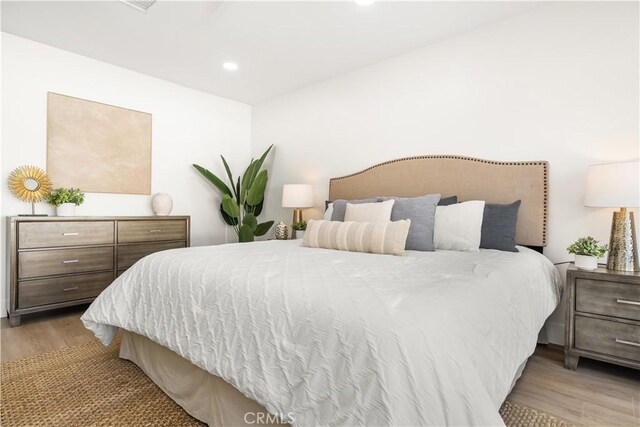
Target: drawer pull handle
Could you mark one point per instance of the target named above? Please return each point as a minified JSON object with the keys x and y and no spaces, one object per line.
{"x":70,"y":234}
{"x":155,"y":231}
{"x":75,"y":288}
{"x":625,"y":301}
{"x":70,"y":261}
{"x":625,"y":342}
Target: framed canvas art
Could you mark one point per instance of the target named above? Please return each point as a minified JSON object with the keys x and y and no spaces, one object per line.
{"x":97,"y":147}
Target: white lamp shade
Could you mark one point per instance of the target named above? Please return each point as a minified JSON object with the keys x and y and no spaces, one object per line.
{"x":297,"y":196}
{"x":613,"y":185}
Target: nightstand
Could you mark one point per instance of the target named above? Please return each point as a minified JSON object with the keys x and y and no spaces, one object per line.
{"x":602,"y":317}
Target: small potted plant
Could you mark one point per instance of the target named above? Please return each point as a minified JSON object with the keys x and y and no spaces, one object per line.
{"x":587,"y":252}
{"x":65,"y":200}
{"x":299,"y":229}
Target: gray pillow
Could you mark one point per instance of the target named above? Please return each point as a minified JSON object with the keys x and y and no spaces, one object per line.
{"x":422,"y":213}
{"x":499,"y":226}
{"x":446,"y":201}
{"x":340,"y":207}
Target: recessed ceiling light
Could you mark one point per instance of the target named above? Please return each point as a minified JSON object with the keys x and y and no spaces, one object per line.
{"x":364,"y":2}
{"x":230,"y":66}
{"x":141,"y":5}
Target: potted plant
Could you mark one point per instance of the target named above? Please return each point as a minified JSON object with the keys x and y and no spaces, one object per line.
{"x":243,"y":199}
{"x":299,"y":228}
{"x":587,"y":252}
{"x":65,"y":200}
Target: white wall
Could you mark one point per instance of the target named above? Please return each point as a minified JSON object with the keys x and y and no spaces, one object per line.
{"x":188,"y":127}
{"x":558,"y":83}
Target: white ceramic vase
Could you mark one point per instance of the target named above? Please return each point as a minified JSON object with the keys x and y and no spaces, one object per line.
{"x":162,"y":204}
{"x":299,"y":234}
{"x":66,"y":209}
{"x":586,"y":262}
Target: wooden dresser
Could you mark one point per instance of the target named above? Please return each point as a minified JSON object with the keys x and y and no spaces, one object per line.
{"x":602,"y":317}
{"x":63,"y":261}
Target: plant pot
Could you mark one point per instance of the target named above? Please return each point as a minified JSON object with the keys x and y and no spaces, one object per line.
{"x":586,"y":262}
{"x":299,"y":234}
{"x":66,"y":209}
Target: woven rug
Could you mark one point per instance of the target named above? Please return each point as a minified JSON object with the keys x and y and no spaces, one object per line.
{"x":89,"y":385}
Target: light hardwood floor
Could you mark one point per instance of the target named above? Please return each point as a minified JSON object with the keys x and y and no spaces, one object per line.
{"x":596,"y":394}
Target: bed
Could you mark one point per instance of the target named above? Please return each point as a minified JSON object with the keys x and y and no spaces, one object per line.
{"x":272,"y":332}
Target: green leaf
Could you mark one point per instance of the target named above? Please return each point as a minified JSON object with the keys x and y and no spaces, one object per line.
{"x":238,"y":191}
{"x":246,"y":177}
{"x":227,"y":219}
{"x":245,"y":184}
{"x":217,"y":182}
{"x":229,"y":175}
{"x":251,"y":221}
{"x":255,"y":167}
{"x":245,"y":234}
{"x":259,"y":163}
{"x":256,"y":192}
{"x":262,"y":229}
{"x":256,"y":210}
{"x":230,"y":206}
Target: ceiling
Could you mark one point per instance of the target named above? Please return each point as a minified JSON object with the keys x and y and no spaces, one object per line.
{"x":278,"y":46}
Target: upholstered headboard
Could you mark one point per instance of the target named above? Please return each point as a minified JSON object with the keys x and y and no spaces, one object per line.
{"x":466,"y":177}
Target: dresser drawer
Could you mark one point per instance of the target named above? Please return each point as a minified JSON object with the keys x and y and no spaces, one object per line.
{"x":608,"y":337}
{"x":130,"y":254}
{"x":63,"y":261}
{"x":64,"y":233}
{"x":152,"y":231}
{"x":54,"y":290}
{"x":608,"y":298}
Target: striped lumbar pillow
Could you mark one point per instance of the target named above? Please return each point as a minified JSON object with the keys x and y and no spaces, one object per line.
{"x":373,"y":237}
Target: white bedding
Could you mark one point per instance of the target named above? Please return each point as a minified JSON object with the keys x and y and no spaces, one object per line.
{"x":341,"y":338}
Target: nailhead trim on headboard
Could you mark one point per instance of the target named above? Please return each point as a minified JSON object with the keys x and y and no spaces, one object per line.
{"x":542,"y":163}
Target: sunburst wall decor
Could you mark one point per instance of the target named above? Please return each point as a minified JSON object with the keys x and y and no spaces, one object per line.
{"x":30,"y":184}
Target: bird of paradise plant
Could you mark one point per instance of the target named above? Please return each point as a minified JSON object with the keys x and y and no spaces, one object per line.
{"x":242,"y":200}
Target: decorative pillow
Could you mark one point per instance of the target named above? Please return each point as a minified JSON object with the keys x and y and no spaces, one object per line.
{"x":371,"y":237}
{"x":499,"y":226}
{"x":422,"y":213}
{"x":328,"y":212}
{"x":451,"y":200}
{"x":340,"y":207}
{"x":369,"y":212}
{"x":458,"y":227}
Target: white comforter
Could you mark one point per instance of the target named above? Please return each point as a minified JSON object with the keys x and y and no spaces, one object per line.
{"x":340,"y":338}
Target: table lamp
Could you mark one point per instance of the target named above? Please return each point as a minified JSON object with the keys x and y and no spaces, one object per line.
{"x":297,"y":196}
{"x":617,"y":185}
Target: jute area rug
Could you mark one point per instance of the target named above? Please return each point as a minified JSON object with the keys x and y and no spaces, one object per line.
{"x":89,"y":385}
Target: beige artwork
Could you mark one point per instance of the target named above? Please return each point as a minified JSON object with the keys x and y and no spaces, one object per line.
{"x":97,"y":147}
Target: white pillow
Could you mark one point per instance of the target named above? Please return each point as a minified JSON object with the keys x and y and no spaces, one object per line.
{"x":328,"y":212}
{"x":459,"y":227}
{"x":369,"y":212}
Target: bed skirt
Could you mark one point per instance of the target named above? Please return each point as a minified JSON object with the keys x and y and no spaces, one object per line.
{"x":204,"y":396}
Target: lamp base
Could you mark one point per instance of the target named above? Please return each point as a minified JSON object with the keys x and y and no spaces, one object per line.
{"x":623,"y":246}
{"x":297,"y":216}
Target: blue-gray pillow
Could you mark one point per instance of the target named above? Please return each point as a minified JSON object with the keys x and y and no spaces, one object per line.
{"x":499,"y":226}
{"x":340,"y":207}
{"x":446,"y":201}
{"x":422,"y":213}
